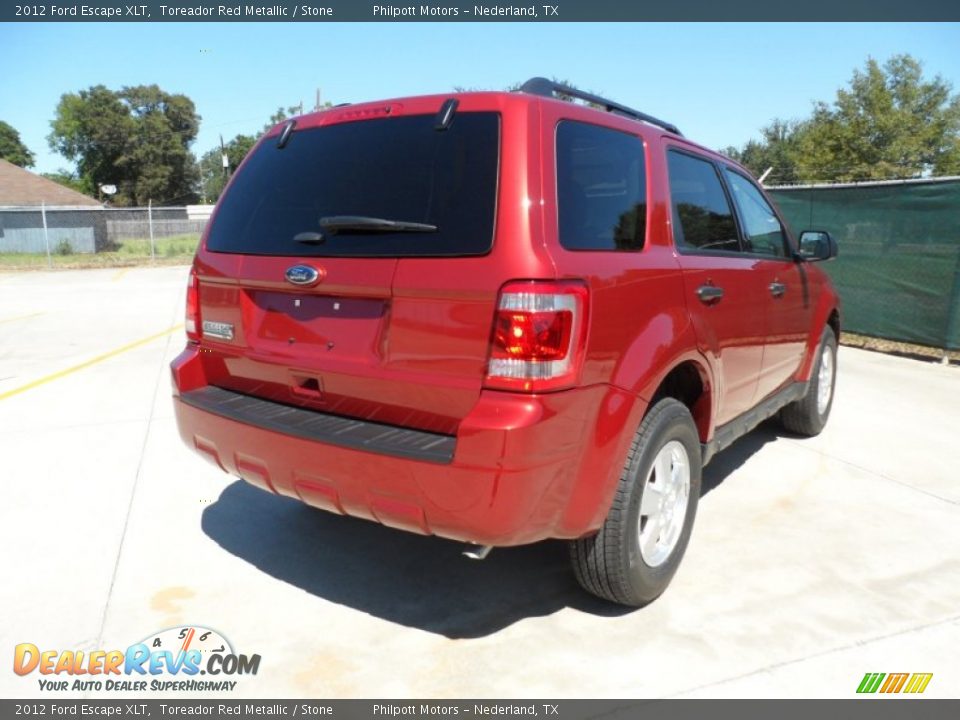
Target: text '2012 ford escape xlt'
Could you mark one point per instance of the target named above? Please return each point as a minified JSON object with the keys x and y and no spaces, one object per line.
{"x":499,"y":318}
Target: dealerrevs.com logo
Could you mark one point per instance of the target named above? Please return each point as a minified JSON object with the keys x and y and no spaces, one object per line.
{"x":169,"y":660}
{"x":910,"y":683}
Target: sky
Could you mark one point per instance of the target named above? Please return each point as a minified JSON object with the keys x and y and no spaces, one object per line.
{"x":720,"y":83}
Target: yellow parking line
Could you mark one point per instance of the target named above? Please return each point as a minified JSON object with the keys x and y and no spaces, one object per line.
{"x":120,"y":273}
{"x":88,"y":363}
{"x":22,"y":317}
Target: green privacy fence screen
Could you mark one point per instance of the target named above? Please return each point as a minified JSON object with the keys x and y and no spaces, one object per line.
{"x":898,"y":272}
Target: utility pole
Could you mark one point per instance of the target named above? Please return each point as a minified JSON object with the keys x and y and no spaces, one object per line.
{"x":224,"y":159}
{"x":153,"y":246}
{"x":46,"y":234}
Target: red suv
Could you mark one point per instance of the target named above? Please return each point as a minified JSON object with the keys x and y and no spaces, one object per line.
{"x":499,"y":318}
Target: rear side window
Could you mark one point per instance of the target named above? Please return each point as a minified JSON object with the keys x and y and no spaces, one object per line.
{"x":601,"y":188}
{"x":702,"y":218}
{"x":399,"y":169}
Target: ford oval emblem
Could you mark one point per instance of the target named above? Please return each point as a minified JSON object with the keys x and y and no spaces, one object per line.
{"x":302,"y":275}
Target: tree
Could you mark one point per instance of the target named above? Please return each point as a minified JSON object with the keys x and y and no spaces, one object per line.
{"x":889,"y":123}
{"x":775,"y":150}
{"x":283,"y":113}
{"x":71,"y":180}
{"x":213,"y":176}
{"x":137,"y":138}
{"x":12,"y":148}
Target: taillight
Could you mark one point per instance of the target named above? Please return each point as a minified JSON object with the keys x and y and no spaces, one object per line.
{"x":539,"y":334}
{"x":192,"y":321}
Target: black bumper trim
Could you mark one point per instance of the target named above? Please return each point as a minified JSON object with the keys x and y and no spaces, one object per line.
{"x":333,"y":429}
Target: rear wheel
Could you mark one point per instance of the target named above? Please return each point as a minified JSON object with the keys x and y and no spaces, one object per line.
{"x":639,"y":547}
{"x":808,"y":415}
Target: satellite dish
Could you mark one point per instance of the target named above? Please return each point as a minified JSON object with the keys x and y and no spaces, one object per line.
{"x":108,"y":189}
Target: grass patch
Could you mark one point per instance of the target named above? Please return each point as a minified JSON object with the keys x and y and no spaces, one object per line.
{"x":176,"y":246}
{"x":896,"y":347}
{"x":175,"y":250}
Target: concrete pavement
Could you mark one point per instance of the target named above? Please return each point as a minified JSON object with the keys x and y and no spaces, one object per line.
{"x":812,"y":561}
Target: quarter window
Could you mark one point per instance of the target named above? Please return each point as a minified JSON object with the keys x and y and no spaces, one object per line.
{"x":762,"y":231}
{"x":702,"y":217}
{"x":601,"y":188}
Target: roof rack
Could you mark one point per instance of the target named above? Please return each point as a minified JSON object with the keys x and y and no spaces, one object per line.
{"x":548,"y":88}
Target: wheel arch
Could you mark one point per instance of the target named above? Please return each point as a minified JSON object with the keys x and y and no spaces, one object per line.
{"x":689,"y":380}
{"x":834,"y":322}
{"x":827,"y":315}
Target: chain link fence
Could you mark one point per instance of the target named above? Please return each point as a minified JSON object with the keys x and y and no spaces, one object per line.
{"x":83,"y":236}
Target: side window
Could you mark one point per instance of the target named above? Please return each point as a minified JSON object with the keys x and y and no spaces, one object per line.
{"x":761,"y":228}
{"x":601,"y":188}
{"x":702,"y":217}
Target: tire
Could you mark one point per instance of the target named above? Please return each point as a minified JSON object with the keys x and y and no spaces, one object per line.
{"x":625,"y":562}
{"x":808,"y":415}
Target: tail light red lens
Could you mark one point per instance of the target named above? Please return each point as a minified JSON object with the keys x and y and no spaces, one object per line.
{"x":192,"y":320}
{"x":539,"y":334}
{"x":526,"y":335}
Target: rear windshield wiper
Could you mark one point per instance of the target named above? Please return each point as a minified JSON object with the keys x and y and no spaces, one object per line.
{"x":362,"y":223}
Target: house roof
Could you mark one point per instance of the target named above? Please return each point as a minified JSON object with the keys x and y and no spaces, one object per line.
{"x":21,"y":187}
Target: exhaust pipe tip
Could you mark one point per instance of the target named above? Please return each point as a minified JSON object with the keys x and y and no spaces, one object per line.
{"x":477,"y":552}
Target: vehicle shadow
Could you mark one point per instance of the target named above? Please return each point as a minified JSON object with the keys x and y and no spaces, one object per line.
{"x":419,"y":582}
{"x":416,"y":581}
{"x":726,"y":462}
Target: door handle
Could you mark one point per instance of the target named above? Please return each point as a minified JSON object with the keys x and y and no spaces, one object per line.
{"x":777,"y":289}
{"x":709,"y":294}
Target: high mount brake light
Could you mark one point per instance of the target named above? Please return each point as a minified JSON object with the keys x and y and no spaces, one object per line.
{"x":192,"y":319}
{"x":539,"y":334}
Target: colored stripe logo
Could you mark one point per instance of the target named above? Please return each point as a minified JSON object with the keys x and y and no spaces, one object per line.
{"x":913,"y":683}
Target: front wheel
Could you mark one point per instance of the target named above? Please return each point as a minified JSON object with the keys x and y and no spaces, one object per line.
{"x":808,"y":415}
{"x":634,"y":556}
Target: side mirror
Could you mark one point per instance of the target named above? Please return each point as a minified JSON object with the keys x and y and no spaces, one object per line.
{"x":816,"y":245}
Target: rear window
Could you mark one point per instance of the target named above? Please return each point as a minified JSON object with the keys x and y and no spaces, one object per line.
{"x":601,"y":188}
{"x":398,"y":169}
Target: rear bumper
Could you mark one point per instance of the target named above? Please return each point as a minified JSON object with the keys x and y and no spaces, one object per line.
{"x":509,"y":477}
{"x":320,"y":427}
